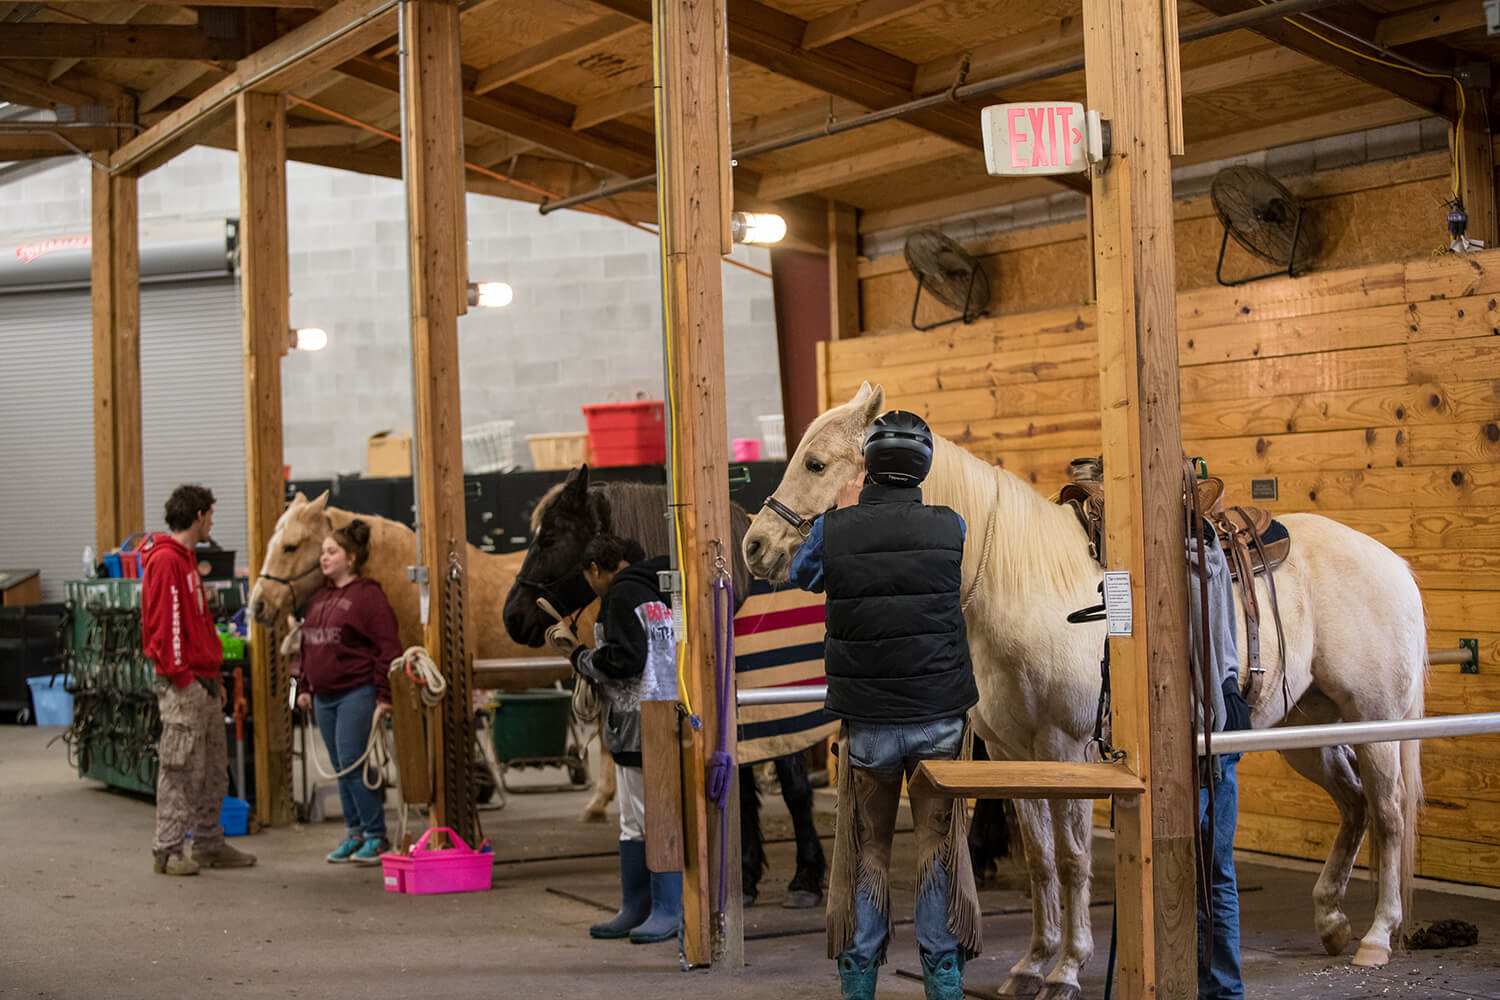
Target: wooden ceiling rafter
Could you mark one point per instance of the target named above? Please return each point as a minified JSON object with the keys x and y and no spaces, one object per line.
{"x":861,"y":15}
{"x":119,"y":14}
{"x":566,"y":46}
{"x":57,"y":40}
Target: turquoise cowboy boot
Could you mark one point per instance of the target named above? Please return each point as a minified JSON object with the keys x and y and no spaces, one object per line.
{"x":856,"y":983}
{"x":943,"y":976}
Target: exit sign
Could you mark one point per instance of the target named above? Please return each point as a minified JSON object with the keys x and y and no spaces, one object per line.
{"x":1042,"y":137}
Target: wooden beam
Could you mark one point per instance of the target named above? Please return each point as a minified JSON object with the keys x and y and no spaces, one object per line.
{"x":55,"y":40}
{"x":265,"y":327}
{"x":308,"y":136}
{"x":563,"y":47}
{"x":34,"y":92}
{"x":1474,"y":147}
{"x":504,"y":148}
{"x":1139,"y":406}
{"x":793,"y":120}
{"x":19,"y":145}
{"x":327,"y":40}
{"x":861,"y":15}
{"x":848,"y":169}
{"x":307,"y":4}
{"x":110,"y":15}
{"x":173,"y":82}
{"x":1430,"y":95}
{"x":1432,"y":21}
{"x":434,"y":200}
{"x":119,"y":507}
{"x":1047,"y":42}
{"x":843,"y":271}
{"x":691,"y":75}
{"x":612,"y":106}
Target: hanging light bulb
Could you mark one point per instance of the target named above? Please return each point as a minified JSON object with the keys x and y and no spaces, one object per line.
{"x":757,"y":227}
{"x":309,"y":338}
{"x":490,"y":294}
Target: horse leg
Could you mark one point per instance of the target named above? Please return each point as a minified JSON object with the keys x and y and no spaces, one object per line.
{"x":752,"y":848}
{"x":989,"y":834}
{"x":1073,"y":833}
{"x":1380,"y":770}
{"x":805,"y":890}
{"x":1334,"y":770}
{"x":604,"y":784}
{"x":1025,"y":979}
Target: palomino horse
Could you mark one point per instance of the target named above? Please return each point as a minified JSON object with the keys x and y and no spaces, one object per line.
{"x":564,"y":520}
{"x":1355,"y":650}
{"x":290,"y":575}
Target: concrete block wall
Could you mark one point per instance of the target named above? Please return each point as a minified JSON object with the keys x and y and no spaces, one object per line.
{"x":585,"y":324}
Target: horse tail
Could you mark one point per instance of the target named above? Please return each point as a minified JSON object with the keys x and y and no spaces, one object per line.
{"x":1411,"y":795}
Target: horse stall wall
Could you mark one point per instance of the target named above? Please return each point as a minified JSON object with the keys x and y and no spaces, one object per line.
{"x":1371,"y":395}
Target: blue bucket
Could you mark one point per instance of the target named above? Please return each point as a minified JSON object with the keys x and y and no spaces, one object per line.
{"x":54,"y":705}
{"x":234,"y":815}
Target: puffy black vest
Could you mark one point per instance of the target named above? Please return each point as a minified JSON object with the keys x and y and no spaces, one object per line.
{"x":897,"y":648}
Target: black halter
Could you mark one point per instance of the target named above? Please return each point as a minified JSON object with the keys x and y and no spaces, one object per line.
{"x":802,"y":524}
{"x":569,"y":593}
{"x":288,"y":581}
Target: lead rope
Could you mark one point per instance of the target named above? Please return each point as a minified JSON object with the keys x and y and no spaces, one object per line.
{"x":721,"y":764}
{"x":1206,"y":672}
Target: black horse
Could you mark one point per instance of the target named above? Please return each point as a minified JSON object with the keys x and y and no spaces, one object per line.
{"x":564,"y":520}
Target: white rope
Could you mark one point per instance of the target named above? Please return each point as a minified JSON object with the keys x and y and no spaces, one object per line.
{"x":431,"y":684}
{"x":374,"y":759}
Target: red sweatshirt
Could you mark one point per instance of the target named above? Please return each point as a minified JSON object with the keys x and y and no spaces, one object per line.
{"x":177,"y":630}
{"x":349,"y":639}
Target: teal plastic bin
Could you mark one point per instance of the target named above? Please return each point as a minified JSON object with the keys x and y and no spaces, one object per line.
{"x":50,"y":698}
{"x":531,"y":724}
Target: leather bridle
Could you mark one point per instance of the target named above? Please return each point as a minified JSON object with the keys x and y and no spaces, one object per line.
{"x":802,"y":524}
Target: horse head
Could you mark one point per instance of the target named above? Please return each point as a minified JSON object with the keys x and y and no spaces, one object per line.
{"x":291,"y":574}
{"x":564,"y":520}
{"x":830,"y":453}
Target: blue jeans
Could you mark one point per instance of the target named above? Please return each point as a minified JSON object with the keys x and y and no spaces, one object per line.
{"x":894,"y":749}
{"x":1220,"y":980}
{"x":344,"y":720}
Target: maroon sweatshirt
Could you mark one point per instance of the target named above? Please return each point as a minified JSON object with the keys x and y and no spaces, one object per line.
{"x":349,"y":639}
{"x":177,"y":630}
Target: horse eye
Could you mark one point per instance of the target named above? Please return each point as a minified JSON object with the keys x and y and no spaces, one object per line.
{"x":814,"y":466}
{"x":289,"y":549}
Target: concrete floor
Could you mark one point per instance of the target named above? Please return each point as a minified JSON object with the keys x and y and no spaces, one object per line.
{"x":82,"y":915}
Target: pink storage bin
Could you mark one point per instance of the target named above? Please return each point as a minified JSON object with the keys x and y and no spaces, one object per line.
{"x":746,"y":450}
{"x":425,"y":872}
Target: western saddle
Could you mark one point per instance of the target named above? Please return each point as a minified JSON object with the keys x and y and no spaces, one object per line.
{"x":1254,"y":544}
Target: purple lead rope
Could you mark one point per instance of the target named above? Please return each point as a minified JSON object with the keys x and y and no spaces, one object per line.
{"x":721,"y":764}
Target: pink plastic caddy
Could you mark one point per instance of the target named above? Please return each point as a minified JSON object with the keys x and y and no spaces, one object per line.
{"x":424,"y":872}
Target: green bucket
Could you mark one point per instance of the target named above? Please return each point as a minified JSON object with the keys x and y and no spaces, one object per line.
{"x":531,"y":724}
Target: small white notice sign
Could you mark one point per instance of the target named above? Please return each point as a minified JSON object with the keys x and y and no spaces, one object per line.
{"x":1117,"y":602}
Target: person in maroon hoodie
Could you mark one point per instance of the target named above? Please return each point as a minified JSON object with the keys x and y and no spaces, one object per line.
{"x":177,"y":633}
{"x":349,"y":639}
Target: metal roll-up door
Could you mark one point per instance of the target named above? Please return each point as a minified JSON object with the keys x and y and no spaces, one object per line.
{"x":192,"y":416}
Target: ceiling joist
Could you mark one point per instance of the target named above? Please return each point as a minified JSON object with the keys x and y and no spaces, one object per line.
{"x":563,"y":47}
{"x":859,"y":16}
{"x":55,"y":40}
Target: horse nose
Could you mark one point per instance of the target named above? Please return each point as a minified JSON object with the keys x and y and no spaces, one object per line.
{"x":753,"y":548}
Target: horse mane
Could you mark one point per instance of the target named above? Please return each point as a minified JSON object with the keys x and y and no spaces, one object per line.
{"x":1038,"y":545}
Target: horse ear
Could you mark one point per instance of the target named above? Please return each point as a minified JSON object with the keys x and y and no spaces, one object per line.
{"x":320,"y":502}
{"x":299,"y":498}
{"x":874,"y":405}
{"x":576,"y":490}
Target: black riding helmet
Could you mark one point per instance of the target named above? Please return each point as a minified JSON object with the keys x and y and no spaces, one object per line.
{"x":898,"y":449}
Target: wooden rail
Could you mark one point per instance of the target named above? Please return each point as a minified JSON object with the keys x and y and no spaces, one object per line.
{"x":1022,"y":779}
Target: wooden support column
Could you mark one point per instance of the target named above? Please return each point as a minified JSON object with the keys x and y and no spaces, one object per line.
{"x":1126,"y":73}
{"x":260,"y":123}
{"x":119,"y":508}
{"x":843,"y":271}
{"x":692,"y":162}
{"x":431,"y":92}
{"x":1476,"y":167}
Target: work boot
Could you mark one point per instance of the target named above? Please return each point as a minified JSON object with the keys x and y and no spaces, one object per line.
{"x":222,"y":856}
{"x":943,"y":976}
{"x":175,"y":863}
{"x":666,"y":910}
{"x":856,"y":983}
{"x":635,"y":893}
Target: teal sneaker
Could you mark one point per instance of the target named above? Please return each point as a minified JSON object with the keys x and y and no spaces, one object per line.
{"x":345,"y":851}
{"x":370,"y":851}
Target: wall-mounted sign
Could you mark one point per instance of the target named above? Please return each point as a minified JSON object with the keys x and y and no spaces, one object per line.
{"x":1044,"y":137}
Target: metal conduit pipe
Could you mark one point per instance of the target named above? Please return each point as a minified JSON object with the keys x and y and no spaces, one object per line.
{"x":1218,"y":26}
{"x":1460,"y":655}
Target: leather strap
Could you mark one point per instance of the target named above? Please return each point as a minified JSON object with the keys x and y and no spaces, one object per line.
{"x":781,"y":510}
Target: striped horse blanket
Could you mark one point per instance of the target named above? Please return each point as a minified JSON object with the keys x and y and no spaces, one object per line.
{"x":778,"y":642}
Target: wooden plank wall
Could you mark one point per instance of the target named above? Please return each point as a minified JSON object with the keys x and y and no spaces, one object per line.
{"x":1373,"y":396}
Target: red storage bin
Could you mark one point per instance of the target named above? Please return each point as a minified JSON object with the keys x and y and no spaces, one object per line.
{"x":633,"y":433}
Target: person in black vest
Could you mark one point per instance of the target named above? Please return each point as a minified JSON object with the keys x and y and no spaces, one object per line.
{"x":899,"y":676}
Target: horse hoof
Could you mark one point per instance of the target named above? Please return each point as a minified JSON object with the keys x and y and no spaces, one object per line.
{"x":1022,"y":985}
{"x":801,"y":899}
{"x":592,"y":815}
{"x":1060,"y":991}
{"x":1336,"y":938}
{"x":1371,"y":955}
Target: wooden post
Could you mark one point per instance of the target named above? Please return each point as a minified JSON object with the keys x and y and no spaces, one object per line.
{"x":119,"y":507}
{"x":1126,"y":76}
{"x":431,"y":92}
{"x":843,"y":271}
{"x":1476,"y":168}
{"x":266,"y":330}
{"x":692,"y":150}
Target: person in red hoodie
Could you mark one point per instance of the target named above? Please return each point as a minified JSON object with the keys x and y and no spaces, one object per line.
{"x":349,"y":639}
{"x":177,"y":633}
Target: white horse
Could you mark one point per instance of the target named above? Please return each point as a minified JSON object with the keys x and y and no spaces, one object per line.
{"x":1355,"y":650}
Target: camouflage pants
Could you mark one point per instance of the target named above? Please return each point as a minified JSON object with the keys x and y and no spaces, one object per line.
{"x":194,"y":771}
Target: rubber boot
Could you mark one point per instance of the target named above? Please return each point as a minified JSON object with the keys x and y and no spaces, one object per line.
{"x":665,"y":921}
{"x":943,"y":976}
{"x":856,"y":983}
{"x":635,"y":892}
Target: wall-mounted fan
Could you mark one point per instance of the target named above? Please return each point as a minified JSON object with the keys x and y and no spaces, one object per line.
{"x":1263,"y":217}
{"x":949,"y":273}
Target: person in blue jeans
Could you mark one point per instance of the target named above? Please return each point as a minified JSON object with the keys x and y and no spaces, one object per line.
{"x":899,"y":676}
{"x":348,"y":640}
{"x":1212,"y":635}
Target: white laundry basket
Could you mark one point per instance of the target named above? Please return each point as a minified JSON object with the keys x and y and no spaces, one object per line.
{"x":490,"y":447}
{"x":772,"y":437}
